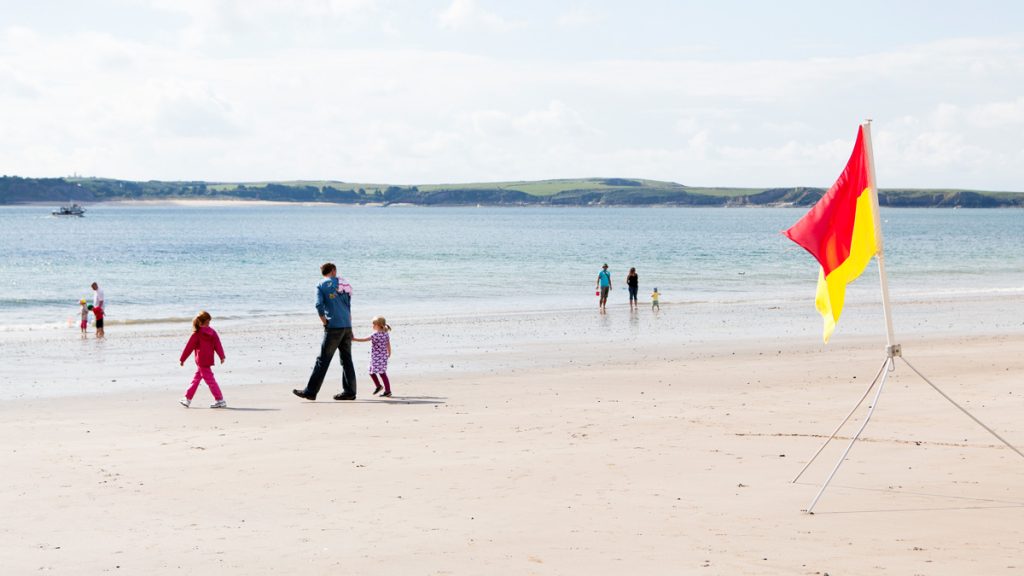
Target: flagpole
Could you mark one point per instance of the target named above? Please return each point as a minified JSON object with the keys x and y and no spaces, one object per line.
{"x":892,"y":349}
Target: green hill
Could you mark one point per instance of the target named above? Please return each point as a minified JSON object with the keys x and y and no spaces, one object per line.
{"x":566,"y":192}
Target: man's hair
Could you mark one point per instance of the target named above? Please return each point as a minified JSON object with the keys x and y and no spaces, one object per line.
{"x":327,"y":268}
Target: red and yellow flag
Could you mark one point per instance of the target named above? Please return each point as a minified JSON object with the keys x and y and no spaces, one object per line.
{"x":839,"y":231}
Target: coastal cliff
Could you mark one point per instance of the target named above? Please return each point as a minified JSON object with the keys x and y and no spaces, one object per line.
{"x":581,"y":192}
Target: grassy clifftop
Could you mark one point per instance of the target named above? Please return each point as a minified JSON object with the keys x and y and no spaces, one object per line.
{"x":568,"y":192}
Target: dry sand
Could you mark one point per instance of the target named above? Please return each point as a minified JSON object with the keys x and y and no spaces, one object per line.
{"x":680,"y":464}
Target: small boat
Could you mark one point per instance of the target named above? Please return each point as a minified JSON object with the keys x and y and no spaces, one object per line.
{"x":69,"y":210}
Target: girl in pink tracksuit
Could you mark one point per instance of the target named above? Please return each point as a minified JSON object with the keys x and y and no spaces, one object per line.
{"x":204,"y":342}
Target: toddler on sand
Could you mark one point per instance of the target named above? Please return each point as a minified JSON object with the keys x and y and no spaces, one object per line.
{"x":654,"y":299}
{"x":380,"y":351}
{"x":203,"y":342}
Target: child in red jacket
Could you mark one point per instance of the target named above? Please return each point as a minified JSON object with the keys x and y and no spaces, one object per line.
{"x":204,"y":342}
{"x":97,"y":311}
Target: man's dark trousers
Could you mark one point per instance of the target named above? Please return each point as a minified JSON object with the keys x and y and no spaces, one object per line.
{"x":339,"y":339}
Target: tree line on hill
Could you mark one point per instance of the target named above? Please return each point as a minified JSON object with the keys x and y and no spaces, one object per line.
{"x":611,"y":192}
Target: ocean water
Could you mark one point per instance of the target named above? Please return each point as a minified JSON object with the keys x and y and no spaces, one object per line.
{"x":160,"y":264}
{"x":468,"y":290}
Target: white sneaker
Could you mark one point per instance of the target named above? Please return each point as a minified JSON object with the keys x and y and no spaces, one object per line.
{"x":185,"y":402}
{"x":219,"y":404}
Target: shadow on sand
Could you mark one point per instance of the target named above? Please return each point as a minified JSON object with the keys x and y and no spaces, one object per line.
{"x":391,"y":400}
{"x":968,"y":503}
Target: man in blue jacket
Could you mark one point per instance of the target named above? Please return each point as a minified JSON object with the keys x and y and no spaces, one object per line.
{"x":335,"y":309}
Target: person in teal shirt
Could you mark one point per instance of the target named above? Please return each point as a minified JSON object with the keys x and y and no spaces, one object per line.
{"x":604,"y":285}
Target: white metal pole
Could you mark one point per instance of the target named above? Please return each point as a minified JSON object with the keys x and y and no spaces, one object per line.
{"x":892,"y":349}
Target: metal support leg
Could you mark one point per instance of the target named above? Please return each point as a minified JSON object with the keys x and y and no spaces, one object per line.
{"x":964,"y":410}
{"x":874,"y":404}
{"x":843,"y":423}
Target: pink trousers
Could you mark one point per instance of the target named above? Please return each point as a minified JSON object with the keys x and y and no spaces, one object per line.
{"x":204,"y":373}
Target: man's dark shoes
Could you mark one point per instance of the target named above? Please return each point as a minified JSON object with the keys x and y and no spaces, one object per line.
{"x":302,"y":394}
{"x":387,"y":394}
{"x":344,"y":396}
{"x":377,"y":389}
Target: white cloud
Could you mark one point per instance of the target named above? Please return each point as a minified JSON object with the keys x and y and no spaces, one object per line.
{"x":215,"y":23}
{"x":260,"y":9}
{"x":317,"y":8}
{"x":204,"y":20}
{"x":946,"y":114}
{"x":467,"y":14}
{"x":16,"y":84}
{"x":1005,"y":114}
{"x":579,"y":17}
{"x":196,"y":116}
{"x":554,"y":119}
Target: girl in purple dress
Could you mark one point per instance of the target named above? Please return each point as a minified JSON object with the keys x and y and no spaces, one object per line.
{"x":380,"y":351}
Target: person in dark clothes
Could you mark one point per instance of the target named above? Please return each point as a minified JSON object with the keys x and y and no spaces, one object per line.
{"x":633,"y":282}
{"x":335,"y":308}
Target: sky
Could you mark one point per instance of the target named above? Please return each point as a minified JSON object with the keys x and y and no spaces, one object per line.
{"x":725,"y":93}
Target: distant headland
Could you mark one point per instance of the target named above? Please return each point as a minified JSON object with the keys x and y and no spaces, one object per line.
{"x":569,"y":192}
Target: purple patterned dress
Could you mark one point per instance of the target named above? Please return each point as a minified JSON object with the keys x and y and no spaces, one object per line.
{"x":379,"y":352}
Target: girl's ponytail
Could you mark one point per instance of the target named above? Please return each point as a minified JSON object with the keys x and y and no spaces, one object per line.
{"x":202,"y":318}
{"x":380,"y":321}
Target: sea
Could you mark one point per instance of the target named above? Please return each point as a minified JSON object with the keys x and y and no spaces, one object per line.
{"x":469,"y":291}
{"x":161,"y":264}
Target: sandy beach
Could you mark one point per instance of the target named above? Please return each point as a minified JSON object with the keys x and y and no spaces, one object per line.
{"x":599,"y":234}
{"x":605,"y":460}
{"x":217,"y":202}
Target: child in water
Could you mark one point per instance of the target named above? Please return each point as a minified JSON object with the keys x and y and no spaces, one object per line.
{"x":654,"y":299}
{"x":97,"y":311}
{"x":380,"y":351}
{"x":203,"y":342}
{"x":85,"y":315}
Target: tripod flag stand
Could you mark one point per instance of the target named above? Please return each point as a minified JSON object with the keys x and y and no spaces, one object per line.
{"x":843,"y":232}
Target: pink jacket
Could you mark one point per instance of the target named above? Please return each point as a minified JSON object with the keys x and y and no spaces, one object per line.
{"x":204,"y":342}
